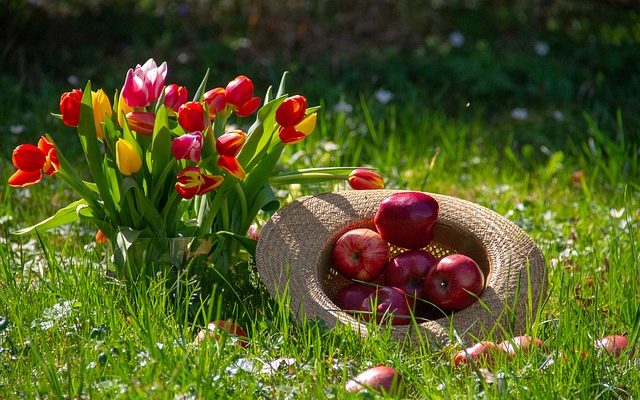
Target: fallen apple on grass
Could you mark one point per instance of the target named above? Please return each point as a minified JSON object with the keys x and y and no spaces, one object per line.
{"x":479,"y":352}
{"x":408,"y":270}
{"x":407,"y":219}
{"x":381,"y":379}
{"x":360,"y":254}
{"x":388,"y":302}
{"x":454,"y":283}
{"x":612,"y":344}
{"x":521,"y":343}
{"x":222,"y":330}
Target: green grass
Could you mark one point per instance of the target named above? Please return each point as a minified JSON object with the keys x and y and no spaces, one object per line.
{"x":69,"y":331}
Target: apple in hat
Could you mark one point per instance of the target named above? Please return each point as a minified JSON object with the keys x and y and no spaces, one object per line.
{"x":360,"y":254}
{"x":407,"y":219}
{"x":408,"y":270}
{"x":454,"y":283}
{"x":389,"y":302}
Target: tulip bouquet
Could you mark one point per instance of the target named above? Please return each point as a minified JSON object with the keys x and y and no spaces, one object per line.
{"x":162,"y":166}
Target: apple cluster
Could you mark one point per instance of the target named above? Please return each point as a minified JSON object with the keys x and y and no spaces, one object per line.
{"x":413,"y":282}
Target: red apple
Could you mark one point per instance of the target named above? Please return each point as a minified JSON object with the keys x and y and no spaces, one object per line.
{"x":388,"y":302}
{"x":219,"y":329}
{"x":519,"y":343}
{"x":481,"y":351}
{"x":408,"y":270}
{"x":407,"y":219}
{"x":360,"y":254}
{"x":350,"y":297}
{"x":454,"y":283}
{"x":612,"y":344}
{"x":380,"y":378}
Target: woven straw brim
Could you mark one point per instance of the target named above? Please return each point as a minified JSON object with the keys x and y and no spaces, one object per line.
{"x":295,"y":246}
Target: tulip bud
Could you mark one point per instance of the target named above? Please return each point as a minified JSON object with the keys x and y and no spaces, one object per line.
{"x":101,"y":110}
{"x":362,"y":179}
{"x":127,"y":158}
{"x":239,"y":94}
{"x":70,"y":103}
{"x":187,"y":146}
{"x":215,"y":99}
{"x":291,"y":111}
{"x":141,"y":122}
{"x":175,"y":96}
{"x":101,"y":238}
{"x":191,"y":116}
{"x":230,"y":143}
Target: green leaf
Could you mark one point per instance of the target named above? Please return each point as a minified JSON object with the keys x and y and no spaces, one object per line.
{"x":149,"y":213}
{"x":246,"y":242}
{"x":66,"y":215}
{"x":281,"y":88}
{"x":203,"y":85}
{"x":260,"y":135}
{"x":93,"y":155}
{"x":123,"y":240}
{"x":160,"y":153}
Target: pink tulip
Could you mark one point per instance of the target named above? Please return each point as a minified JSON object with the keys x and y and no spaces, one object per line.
{"x":175,"y":96}
{"x":143,"y":85}
{"x":187,"y":146}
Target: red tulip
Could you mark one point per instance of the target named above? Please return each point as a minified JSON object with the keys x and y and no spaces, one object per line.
{"x":294,"y":134}
{"x":239,"y":94}
{"x":191,"y":116}
{"x":31,"y":160}
{"x":232,"y":166}
{"x":70,"y":107}
{"x":230,"y":143}
{"x":192,"y":181}
{"x":175,"y":96}
{"x":101,"y":238}
{"x":143,"y":85}
{"x":216,"y":102}
{"x":291,"y":111}
{"x":187,"y":146}
{"x":361,"y":179}
{"x":141,"y":122}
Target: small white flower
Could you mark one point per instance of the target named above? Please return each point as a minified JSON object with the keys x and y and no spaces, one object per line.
{"x":617,"y":214}
{"x":183,"y":58}
{"x":456,"y":39}
{"x":520,"y":114}
{"x":558,"y":115}
{"x":73,"y":80}
{"x":17,"y":129}
{"x":330,"y":146}
{"x":541,"y":48}
{"x":383,"y":96}
{"x":343,"y":106}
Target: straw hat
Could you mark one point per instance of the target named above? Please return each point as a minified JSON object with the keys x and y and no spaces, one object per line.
{"x":295,"y":246}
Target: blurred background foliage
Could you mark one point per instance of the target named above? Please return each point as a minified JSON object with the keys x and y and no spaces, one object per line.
{"x":536,"y":65}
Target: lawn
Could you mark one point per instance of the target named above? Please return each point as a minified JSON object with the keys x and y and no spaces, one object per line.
{"x":560,"y":163}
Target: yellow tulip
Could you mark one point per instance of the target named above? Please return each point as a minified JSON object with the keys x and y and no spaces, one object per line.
{"x":123,"y":109}
{"x":101,"y":110}
{"x":127,"y":158}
